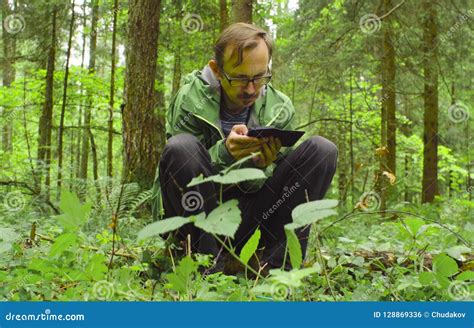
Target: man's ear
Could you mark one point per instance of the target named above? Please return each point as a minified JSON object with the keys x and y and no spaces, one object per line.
{"x":215,"y":69}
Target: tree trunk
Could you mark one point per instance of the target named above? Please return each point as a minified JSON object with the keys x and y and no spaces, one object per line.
{"x":176,"y":73}
{"x":351,"y":135}
{"x":45,"y":123}
{"x":388,"y":89}
{"x":223,"y":14}
{"x":242,"y":11}
{"x":430,"y":99}
{"x":388,"y":123}
{"x":63,"y":106}
{"x":8,"y":69}
{"x":112,"y":93}
{"x":141,"y":139}
{"x":81,"y":92}
{"x":88,"y":107}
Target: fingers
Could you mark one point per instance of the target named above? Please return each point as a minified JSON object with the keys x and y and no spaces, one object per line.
{"x":272,"y":146}
{"x":258,"y":160}
{"x":244,"y":140}
{"x":240,"y":129}
{"x":242,"y":152}
{"x":278,"y":144}
{"x":270,"y":155}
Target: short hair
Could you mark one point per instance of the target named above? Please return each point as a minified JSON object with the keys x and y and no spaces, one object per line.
{"x":241,"y":36}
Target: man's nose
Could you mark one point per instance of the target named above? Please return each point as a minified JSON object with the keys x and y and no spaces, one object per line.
{"x":250,"y":88}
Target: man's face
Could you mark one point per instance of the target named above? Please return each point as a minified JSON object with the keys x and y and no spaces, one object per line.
{"x":254,"y":64}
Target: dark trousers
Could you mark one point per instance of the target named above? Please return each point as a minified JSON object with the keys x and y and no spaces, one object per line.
{"x":305,"y":173}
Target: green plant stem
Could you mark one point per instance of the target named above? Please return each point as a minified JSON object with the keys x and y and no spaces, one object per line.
{"x":231,"y":252}
{"x":323,"y":266}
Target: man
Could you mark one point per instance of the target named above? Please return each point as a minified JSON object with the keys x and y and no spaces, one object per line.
{"x":206,"y":127}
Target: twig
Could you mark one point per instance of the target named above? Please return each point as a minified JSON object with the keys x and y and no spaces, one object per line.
{"x":391,"y":10}
{"x":91,"y":248}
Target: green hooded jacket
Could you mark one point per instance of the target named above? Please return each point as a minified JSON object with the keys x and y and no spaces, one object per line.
{"x":195,"y":109}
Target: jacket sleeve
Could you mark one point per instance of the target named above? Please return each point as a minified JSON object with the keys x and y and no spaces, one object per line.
{"x":181,"y":121}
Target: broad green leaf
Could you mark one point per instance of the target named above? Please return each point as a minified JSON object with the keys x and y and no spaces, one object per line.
{"x":457,"y":251}
{"x":232,"y":177}
{"x":183,"y":274}
{"x":357,"y":260}
{"x":74,"y":213}
{"x":224,"y":220}
{"x":294,"y":249}
{"x":466,"y":276}
{"x":63,"y":243}
{"x":96,"y":268}
{"x":426,"y":277}
{"x":250,"y":247}
{"x":443,"y":280}
{"x":292,"y":278}
{"x":444,"y":265}
{"x":414,"y":224}
{"x":164,"y":226}
{"x":308,"y":213}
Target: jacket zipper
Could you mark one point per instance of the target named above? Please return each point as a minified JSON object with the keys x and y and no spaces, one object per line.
{"x":214,"y":126}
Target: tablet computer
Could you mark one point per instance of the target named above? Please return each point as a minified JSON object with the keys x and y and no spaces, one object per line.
{"x":287,"y":137}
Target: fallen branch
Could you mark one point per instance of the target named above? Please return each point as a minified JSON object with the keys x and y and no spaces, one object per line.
{"x":92,"y":248}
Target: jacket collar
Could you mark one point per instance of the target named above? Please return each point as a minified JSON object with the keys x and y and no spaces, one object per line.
{"x":204,"y":97}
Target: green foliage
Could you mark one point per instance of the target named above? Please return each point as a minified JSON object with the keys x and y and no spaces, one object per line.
{"x":231,"y":177}
{"x":74,"y":214}
{"x":250,"y":247}
{"x":7,"y":237}
{"x":311,"y":212}
{"x":404,"y":256}
{"x":164,"y":226}
{"x":294,"y":248}
{"x":223,"y":220}
{"x":181,"y":279}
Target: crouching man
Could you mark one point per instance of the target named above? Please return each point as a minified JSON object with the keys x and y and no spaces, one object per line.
{"x":206,"y":127}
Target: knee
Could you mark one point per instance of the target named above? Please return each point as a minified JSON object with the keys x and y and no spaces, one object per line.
{"x":180,"y":145}
{"x":322,"y":147}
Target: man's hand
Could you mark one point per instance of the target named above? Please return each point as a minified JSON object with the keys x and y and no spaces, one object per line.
{"x":240,"y":145}
{"x":268,"y":153}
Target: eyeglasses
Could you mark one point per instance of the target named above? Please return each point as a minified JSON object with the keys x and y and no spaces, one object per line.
{"x":243,"y":82}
